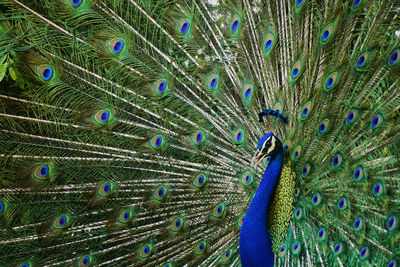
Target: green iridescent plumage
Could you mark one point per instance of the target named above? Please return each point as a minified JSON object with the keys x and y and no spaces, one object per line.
{"x":281,"y":210}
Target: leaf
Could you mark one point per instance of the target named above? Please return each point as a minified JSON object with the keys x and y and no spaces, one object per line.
{"x":3,"y":59}
{"x":21,"y":83}
{"x":12,"y":73}
{"x":3,"y":69}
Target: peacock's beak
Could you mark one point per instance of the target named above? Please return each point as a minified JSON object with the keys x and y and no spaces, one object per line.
{"x":258,"y":157}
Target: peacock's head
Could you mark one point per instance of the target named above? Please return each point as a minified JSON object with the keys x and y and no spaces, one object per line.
{"x":268,"y":145}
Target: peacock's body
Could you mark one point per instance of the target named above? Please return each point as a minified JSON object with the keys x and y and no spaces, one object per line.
{"x":127,"y":130}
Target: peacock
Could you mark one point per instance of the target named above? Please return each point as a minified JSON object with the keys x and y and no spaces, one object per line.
{"x":199,"y":133}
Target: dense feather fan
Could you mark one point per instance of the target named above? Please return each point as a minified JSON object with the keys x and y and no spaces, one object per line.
{"x":127,"y":130}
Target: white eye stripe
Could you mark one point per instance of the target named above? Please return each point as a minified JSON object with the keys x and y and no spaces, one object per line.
{"x":272,"y":146}
{"x":272,"y":138}
{"x":265,"y":143}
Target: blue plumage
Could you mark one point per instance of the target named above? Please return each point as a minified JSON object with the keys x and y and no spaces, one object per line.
{"x":255,"y":241}
{"x":394,"y":57}
{"x":356,"y":3}
{"x":2,"y":206}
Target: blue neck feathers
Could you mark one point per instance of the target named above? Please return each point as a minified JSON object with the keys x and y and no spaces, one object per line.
{"x":255,"y":241}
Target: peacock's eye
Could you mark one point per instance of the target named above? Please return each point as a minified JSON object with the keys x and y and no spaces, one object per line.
{"x":85,"y":261}
{"x":76,"y":3}
{"x":145,"y":251}
{"x":266,"y":145}
{"x":117,"y":46}
{"x":265,"y":149}
{"x":46,"y":73}
{"x":184,"y":27}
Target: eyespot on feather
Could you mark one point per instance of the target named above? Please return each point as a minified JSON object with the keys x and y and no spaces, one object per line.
{"x":298,"y":213}
{"x":376,"y":121}
{"x":327,"y":34}
{"x":351,"y":117}
{"x":331,"y":81}
{"x":266,"y":161}
{"x":235,"y":25}
{"x":61,"y":222}
{"x":43,"y":172}
{"x":199,"y":181}
{"x":356,"y":4}
{"x":184,"y":27}
{"x":3,"y":207}
{"x":218,"y":211}
{"x":117,"y":46}
{"x":358,"y":224}
{"x":103,"y":117}
{"x":125,"y":216}
{"x":145,"y":251}
{"x":296,"y":70}
{"x":282,"y":251}
{"x":161,"y":87}
{"x":46,"y":73}
{"x":337,"y":161}
{"x":200,"y":248}
{"x":378,"y":189}
{"x":299,"y":4}
{"x":342,"y":204}
{"x":269,"y":43}
{"x":296,"y":248}
{"x":76,"y":3}
{"x":322,"y":235}
{"x":85,"y":261}
{"x":316,"y":199}
{"x":364,"y":253}
{"x":286,"y":145}
{"x":338,"y":249}
{"x":213,"y":82}
{"x":240,"y":220}
{"x":306,"y":170}
{"x":358,"y":174}
{"x":247,"y":93}
{"x":392,"y":223}
{"x":198,"y":137}
{"x":105,"y":189}
{"x":238,"y":137}
{"x":177,"y":224}
{"x":297,"y":192}
{"x":362,"y":61}
{"x":297,"y":153}
{"x":277,"y":107}
{"x":160,"y":193}
{"x":394,"y":58}
{"x":306,"y":110}
{"x":226,"y":257}
{"x":157,"y":142}
{"x":247,"y":178}
{"x":323,"y":127}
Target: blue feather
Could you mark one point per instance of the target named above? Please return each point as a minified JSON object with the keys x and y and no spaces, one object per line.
{"x":255,"y":241}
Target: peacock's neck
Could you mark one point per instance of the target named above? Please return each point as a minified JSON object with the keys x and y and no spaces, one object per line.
{"x":260,"y":205}
{"x":255,"y":242}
